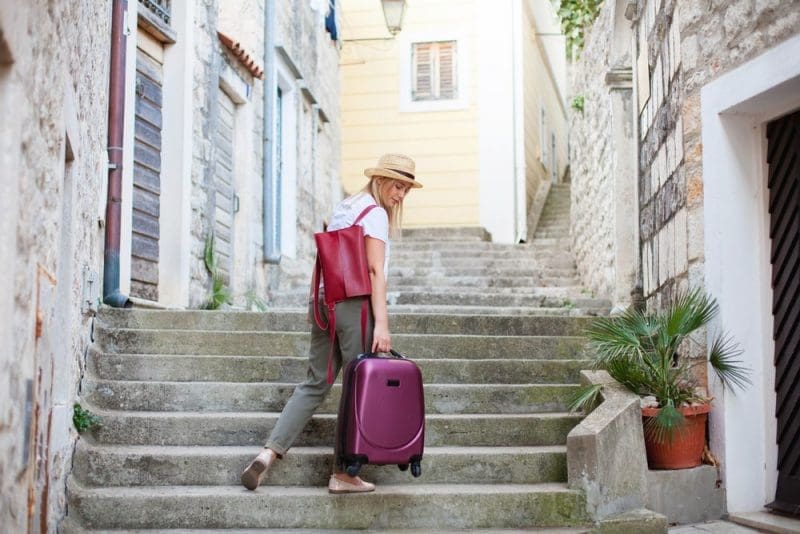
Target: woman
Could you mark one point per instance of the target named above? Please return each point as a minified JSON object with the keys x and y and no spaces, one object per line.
{"x":389,"y":183}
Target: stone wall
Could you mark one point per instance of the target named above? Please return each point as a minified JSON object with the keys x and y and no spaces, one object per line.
{"x":684,"y":45}
{"x":300,"y":30}
{"x":591,"y":153}
{"x":53,"y":104}
{"x":207,"y":64}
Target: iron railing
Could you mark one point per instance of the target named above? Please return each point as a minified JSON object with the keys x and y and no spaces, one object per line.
{"x":160,"y":8}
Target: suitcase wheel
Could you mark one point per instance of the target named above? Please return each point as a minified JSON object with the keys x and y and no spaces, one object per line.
{"x":353,"y":469}
{"x":416,"y":469}
{"x":402,"y":467}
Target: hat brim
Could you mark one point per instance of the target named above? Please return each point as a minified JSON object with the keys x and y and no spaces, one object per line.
{"x":389,"y":173}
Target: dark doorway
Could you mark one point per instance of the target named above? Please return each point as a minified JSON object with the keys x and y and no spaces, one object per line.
{"x":783,"y":157}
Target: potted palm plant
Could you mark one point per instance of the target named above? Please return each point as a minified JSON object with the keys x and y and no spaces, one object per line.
{"x":649,"y":354}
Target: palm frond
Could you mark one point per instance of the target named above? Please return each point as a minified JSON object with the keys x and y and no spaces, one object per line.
{"x":662,"y":427}
{"x":585,"y":398}
{"x":728,"y":369}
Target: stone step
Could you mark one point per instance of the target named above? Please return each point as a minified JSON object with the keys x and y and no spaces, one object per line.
{"x":551,"y":233}
{"x":272,"y":396}
{"x":402,"y":506}
{"x":415,"y":346}
{"x":309,"y":466}
{"x":70,"y":526}
{"x":293,"y":320}
{"x":456,"y":246}
{"x":529,"y":271}
{"x":456,"y":233}
{"x":188,"y":368}
{"x":569,"y":279}
{"x":489,"y":265}
{"x":557,"y":292}
{"x":507,"y":311}
{"x":253,"y":428}
{"x":493,"y":299}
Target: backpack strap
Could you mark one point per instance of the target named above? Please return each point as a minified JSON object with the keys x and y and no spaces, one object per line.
{"x":331,"y":326}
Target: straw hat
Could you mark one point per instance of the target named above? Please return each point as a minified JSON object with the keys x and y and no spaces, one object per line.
{"x":396,"y":167}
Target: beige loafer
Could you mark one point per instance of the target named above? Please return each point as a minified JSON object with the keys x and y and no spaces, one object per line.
{"x":337,"y":485}
{"x":253,"y":473}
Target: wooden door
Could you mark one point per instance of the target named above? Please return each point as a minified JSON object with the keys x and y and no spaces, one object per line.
{"x":146,"y":174}
{"x":224,"y":206}
{"x":783,"y":157}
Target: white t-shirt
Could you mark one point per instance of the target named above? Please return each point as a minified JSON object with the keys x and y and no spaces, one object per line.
{"x":375,"y":223}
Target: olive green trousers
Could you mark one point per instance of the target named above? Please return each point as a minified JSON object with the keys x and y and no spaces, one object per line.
{"x":312,"y":392}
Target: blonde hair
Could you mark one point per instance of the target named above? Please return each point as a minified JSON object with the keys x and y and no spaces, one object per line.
{"x":395,"y":213}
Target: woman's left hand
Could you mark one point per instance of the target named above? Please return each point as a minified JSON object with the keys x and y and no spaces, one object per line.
{"x":381,"y":340}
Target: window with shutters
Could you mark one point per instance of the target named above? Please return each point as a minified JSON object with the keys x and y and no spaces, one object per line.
{"x":434,"y":71}
{"x":434,"y":74}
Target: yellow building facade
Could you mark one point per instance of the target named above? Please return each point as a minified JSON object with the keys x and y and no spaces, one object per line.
{"x":469,"y":89}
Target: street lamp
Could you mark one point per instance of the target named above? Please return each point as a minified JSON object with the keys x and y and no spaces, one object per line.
{"x":393,"y":11}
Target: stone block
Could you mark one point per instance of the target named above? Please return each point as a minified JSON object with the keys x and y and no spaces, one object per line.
{"x":662,"y":256}
{"x":686,"y":495}
{"x":737,"y":20}
{"x":694,"y":233}
{"x":681,"y":243}
{"x":605,"y":452}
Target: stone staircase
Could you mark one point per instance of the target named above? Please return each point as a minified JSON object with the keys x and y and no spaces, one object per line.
{"x":188,"y":397}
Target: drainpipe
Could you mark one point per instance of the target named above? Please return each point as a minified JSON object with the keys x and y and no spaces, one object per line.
{"x":270,"y":195}
{"x":116,"y":120}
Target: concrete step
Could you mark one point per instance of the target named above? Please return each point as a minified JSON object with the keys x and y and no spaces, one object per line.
{"x":253,"y":428}
{"x":551,"y":233}
{"x":447,"y":247}
{"x":415,"y":346}
{"x":272,"y":396}
{"x":293,"y":320}
{"x":569,"y":279}
{"x":309,"y":466}
{"x":559,"y":292}
{"x":487,"y":264}
{"x":292,"y":369}
{"x":70,"y":526}
{"x":461,"y":233}
{"x":494,"y":299}
{"x":429,"y":506}
{"x":531,"y":271}
{"x":507,"y":311}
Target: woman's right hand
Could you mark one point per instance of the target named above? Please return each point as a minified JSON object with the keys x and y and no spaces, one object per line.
{"x":381,"y":340}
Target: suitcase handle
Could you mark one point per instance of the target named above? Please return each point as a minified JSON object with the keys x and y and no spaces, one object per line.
{"x":375,"y":355}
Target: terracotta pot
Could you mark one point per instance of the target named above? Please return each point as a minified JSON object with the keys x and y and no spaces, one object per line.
{"x":685,"y":449}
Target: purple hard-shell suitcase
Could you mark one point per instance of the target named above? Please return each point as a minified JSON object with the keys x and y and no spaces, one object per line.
{"x":382,"y":414}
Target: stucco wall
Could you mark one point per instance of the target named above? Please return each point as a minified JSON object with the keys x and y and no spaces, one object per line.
{"x":540,"y":93}
{"x":54,"y":88}
{"x":444,"y":143}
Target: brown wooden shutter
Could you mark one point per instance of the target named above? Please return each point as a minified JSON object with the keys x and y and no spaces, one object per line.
{"x":447,"y":70}
{"x":224,"y":187}
{"x":422,"y":64}
{"x":146,"y":200}
{"x":783,"y":157}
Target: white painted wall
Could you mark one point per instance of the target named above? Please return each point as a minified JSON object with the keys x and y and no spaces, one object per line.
{"x":735,"y":109}
{"x":176,"y":162}
{"x":289,"y":122}
{"x":496,"y":119}
{"x":126,"y":219}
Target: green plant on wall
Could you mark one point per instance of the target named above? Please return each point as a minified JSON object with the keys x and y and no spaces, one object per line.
{"x":220,"y":294}
{"x":84,"y":419}
{"x":577,"y":103}
{"x":576,"y":16}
